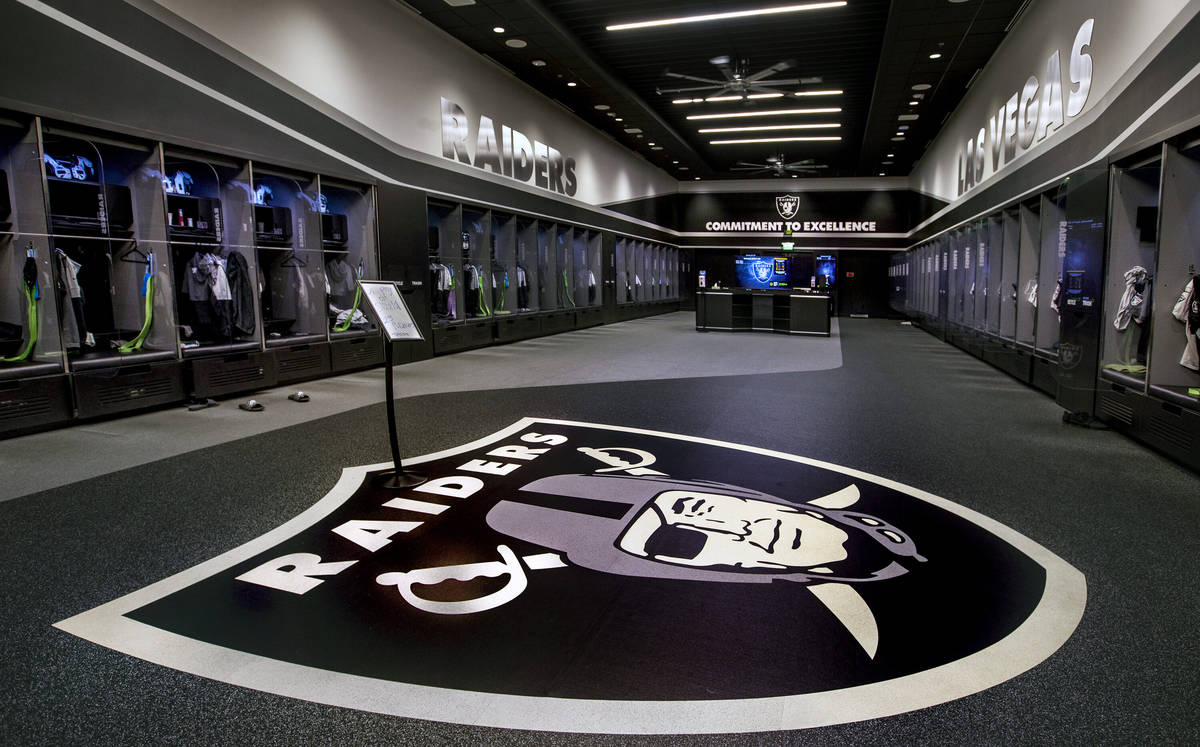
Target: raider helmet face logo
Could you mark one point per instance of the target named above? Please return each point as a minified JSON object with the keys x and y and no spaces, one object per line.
{"x":578,"y":577}
{"x":788,"y":206}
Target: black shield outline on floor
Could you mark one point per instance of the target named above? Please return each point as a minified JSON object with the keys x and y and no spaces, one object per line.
{"x":1046,"y":629}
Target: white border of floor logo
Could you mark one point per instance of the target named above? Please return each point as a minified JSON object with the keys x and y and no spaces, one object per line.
{"x":616,"y":509}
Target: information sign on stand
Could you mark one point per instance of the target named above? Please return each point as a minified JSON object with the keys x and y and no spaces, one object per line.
{"x":386,"y":304}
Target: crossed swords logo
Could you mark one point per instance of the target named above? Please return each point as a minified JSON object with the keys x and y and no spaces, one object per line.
{"x":840,"y":598}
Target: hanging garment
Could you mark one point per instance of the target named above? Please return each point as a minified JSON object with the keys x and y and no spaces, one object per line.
{"x":1031,"y":292}
{"x":1133,"y":306}
{"x":75,"y":329}
{"x":136,"y":343}
{"x":1054,"y":299}
{"x":522,"y":288}
{"x":341,"y":281}
{"x":241,"y":291}
{"x":591,"y":287}
{"x":1187,"y":310}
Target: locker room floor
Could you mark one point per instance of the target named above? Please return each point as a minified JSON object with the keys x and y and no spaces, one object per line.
{"x":879,"y":397}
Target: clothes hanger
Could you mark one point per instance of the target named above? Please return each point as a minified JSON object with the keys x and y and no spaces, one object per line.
{"x":291,"y":260}
{"x":142,"y":258}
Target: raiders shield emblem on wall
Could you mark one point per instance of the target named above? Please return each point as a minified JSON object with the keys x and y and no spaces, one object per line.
{"x":788,"y":206}
{"x":577,"y":577}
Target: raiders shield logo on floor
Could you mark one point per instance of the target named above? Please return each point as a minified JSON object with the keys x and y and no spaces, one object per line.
{"x":580,"y":577}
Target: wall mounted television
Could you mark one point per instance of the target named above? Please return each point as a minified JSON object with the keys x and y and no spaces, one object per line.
{"x":762,"y":271}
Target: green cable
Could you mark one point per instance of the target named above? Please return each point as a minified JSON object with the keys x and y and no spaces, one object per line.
{"x":136,"y":343}
{"x":30,"y":283}
{"x":353,"y":308}
{"x":33,"y":327}
{"x":567,"y":290}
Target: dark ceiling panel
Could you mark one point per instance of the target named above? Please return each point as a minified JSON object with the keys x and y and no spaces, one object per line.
{"x":874,"y":51}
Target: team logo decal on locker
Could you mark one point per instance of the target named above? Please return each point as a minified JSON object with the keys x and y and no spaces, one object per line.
{"x":571,"y":563}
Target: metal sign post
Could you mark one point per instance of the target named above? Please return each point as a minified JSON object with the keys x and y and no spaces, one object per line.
{"x":388,"y":307}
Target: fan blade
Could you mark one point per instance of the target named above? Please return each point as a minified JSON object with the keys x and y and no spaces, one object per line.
{"x":708,"y":90}
{"x":797,"y":164}
{"x":681,"y":76}
{"x":811,"y":80}
{"x":754,"y":165}
{"x":778,"y":67}
{"x":775,"y":82}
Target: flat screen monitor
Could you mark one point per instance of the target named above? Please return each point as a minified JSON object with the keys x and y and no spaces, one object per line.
{"x":761,"y":271}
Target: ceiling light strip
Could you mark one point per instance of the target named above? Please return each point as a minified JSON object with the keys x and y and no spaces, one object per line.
{"x":829,"y":138}
{"x":830,"y":92}
{"x":771,"y":113}
{"x":724,"y":16}
{"x":768,"y":128}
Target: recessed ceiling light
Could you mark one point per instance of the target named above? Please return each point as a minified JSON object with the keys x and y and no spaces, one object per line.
{"x":891,"y":155}
{"x":641,"y":137}
{"x":922,"y":87}
{"x":888,"y":163}
{"x":657,"y":147}
{"x":795,"y":176}
{"x":620,"y":119}
{"x":516,"y":43}
{"x":767,"y":128}
{"x":881,"y":173}
{"x":674,"y":161}
{"x":935,"y":56}
{"x":459,"y":3}
{"x":769,"y":113}
{"x":538,"y":63}
{"x":649,"y":143}
{"x":723,"y":16}
{"x":913,"y":103}
{"x":831,"y":92}
{"x":683,"y":168}
{"x":830,"y":138}
{"x":909,"y":117}
{"x":696,"y":178}
{"x":571,"y":84}
{"x":902,"y":128}
{"x":897,"y":139}
{"x":601,"y":107}
{"x":498,"y":29}
{"x":611,"y":114}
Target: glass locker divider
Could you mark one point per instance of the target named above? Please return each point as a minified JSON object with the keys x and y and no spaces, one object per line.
{"x":525,"y":277}
{"x":1171,"y":372}
{"x":1132,"y":247}
{"x":444,"y":241}
{"x":548,"y":284}
{"x":1051,"y":255}
{"x":348,"y":251}
{"x":209,"y":211}
{"x":476,"y":251}
{"x":1008,"y":290}
{"x":1028,"y":272}
{"x":503,"y":263}
{"x":30,"y":335}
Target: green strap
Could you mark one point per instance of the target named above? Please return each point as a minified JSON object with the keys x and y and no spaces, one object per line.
{"x":567,"y":290}
{"x":353,"y":308}
{"x":136,"y":343}
{"x":31,"y":303}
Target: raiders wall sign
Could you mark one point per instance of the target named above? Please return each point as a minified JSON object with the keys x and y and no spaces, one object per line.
{"x":578,"y":577}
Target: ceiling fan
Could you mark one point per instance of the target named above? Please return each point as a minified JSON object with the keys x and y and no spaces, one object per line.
{"x":738,"y":82}
{"x":778,"y":166}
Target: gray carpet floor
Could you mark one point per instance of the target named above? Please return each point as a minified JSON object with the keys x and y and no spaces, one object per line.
{"x":902,"y":405}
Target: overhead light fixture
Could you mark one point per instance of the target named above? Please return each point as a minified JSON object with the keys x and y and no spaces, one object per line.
{"x":831,"y":92}
{"x":913,"y":103}
{"x":498,"y":29}
{"x":538,"y":63}
{"x":571,"y":84}
{"x":696,"y":178}
{"x":768,"y":128}
{"x":723,"y":16}
{"x":922,"y":87}
{"x":620,"y":119}
{"x":770,"y":113}
{"x":891,"y":155}
{"x":657,"y":147}
{"x":649,"y":143}
{"x":935,"y":56}
{"x":516,"y":43}
{"x":601,"y":107}
{"x":459,"y":3}
{"x":795,"y":176}
{"x":909,"y":117}
{"x":882,"y":173}
{"x":683,"y":168}
{"x":897,"y":139}
{"x":822,"y":138}
{"x":888,"y":163}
